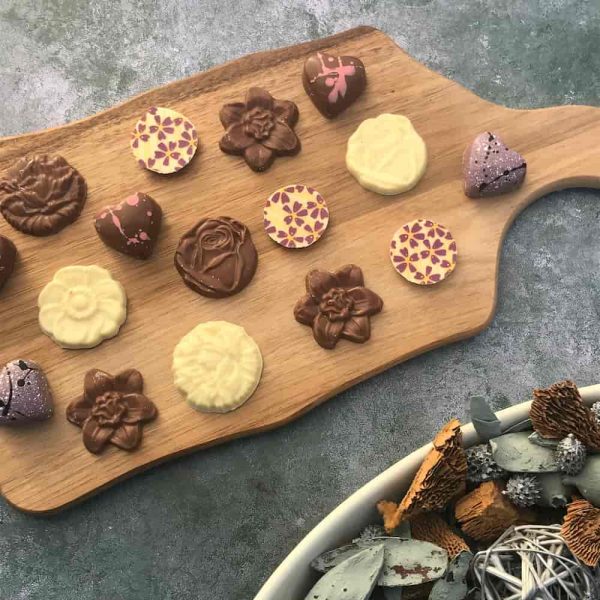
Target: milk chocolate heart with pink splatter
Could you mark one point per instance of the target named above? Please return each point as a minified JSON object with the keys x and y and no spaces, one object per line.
{"x":491,"y":168}
{"x":25,"y":395}
{"x":333,"y":83}
{"x":132,"y":226}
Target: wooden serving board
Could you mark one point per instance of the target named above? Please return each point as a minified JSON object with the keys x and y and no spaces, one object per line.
{"x":45,"y":468}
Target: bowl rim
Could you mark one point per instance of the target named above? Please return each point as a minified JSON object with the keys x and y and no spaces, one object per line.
{"x":287,"y":579}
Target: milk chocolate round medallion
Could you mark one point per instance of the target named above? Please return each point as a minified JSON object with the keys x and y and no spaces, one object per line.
{"x":217,"y":257}
{"x":42,"y":194}
{"x":8,"y":256}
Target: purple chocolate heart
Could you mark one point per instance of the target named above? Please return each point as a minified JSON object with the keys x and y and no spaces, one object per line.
{"x":25,"y":395}
{"x":490,"y":168}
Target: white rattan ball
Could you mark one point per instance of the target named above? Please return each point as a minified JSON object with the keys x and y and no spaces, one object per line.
{"x":532,"y":562}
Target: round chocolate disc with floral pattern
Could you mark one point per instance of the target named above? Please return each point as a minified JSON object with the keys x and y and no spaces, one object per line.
{"x":423,"y":252}
{"x":164,"y":141}
{"x":295,"y":216}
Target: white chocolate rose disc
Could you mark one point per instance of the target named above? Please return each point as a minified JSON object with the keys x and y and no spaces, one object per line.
{"x":217,"y":366}
{"x":386,"y":154}
{"x":164,"y":140}
{"x":423,"y":252}
{"x":295,"y":216}
{"x":82,"y":306}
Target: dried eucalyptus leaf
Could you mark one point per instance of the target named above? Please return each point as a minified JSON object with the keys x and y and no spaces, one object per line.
{"x":332,"y":558}
{"x":407,"y":561}
{"x":453,"y":586}
{"x":353,"y":579}
{"x":588,"y":480}
{"x":536,"y":438}
{"x":524,"y":425}
{"x":555,"y":493}
{"x":486,"y":424}
{"x":516,"y":454}
{"x":411,"y":562}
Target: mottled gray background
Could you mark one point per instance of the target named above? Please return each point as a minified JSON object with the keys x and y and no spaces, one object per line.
{"x":214,"y":525}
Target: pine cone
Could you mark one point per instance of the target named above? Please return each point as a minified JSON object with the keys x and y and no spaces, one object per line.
{"x":523,"y":490}
{"x":481,"y":465}
{"x":570,"y":455}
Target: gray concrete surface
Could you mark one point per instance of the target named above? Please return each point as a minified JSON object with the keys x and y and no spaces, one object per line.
{"x":214,"y":525}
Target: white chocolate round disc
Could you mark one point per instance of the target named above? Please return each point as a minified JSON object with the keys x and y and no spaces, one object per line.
{"x":164,"y":140}
{"x":82,"y":306}
{"x":217,"y":366}
{"x":386,"y":154}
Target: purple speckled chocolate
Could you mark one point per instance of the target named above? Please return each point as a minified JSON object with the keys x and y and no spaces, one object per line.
{"x":491,"y":168}
{"x":25,"y":395}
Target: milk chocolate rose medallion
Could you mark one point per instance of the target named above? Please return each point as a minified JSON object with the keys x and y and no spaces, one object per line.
{"x":40,"y":195}
{"x":217,"y":257}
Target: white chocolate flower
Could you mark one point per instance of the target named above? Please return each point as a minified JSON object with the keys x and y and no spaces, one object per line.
{"x":82,"y":306}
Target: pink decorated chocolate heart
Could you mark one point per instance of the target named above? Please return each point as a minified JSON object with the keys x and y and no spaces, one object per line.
{"x":491,"y":168}
{"x":333,"y":83}
{"x":132,"y":226}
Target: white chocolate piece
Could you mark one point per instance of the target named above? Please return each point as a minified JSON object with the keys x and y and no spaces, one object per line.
{"x":386,"y":154}
{"x":217,"y":366}
{"x":82,"y":306}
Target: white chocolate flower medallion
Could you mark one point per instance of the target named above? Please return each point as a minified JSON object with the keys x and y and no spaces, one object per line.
{"x":217,"y":366}
{"x":82,"y":306}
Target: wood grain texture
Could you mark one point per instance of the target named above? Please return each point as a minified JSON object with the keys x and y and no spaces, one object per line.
{"x":46,"y":467}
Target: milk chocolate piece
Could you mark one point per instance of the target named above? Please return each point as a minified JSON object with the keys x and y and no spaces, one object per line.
{"x":337,"y":305}
{"x":260,"y":129}
{"x":131,"y":226}
{"x":333,"y":83}
{"x":8,"y":256}
{"x":217,"y":257}
{"x":25,"y":395}
{"x":112,"y":409}
{"x":42,"y":194}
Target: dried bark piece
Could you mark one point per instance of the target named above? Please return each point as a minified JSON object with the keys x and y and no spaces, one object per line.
{"x":430,"y":527}
{"x":441,"y":477}
{"x":581,"y":531}
{"x":559,"y":410}
{"x":486,"y":512}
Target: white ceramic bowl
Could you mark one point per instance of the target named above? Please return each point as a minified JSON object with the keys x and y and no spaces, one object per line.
{"x":293,"y":578}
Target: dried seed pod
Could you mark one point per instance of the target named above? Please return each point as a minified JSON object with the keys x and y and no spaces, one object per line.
{"x":558,"y":411}
{"x":486,"y":513}
{"x":430,"y":527}
{"x":581,"y":531}
{"x":570,"y":455}
{"x":441,"y":477}
{"x":481,"y":465}
{"x":523,"y":490}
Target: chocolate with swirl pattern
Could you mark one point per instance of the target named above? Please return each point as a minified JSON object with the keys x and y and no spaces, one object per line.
{"x":42,"y":194}
{"x":217,"y":257}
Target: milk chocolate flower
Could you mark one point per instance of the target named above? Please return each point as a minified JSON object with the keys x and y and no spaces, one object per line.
{"x":338,"y":305}
{"x":259,"y":129}
{"x":112,"y":409}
